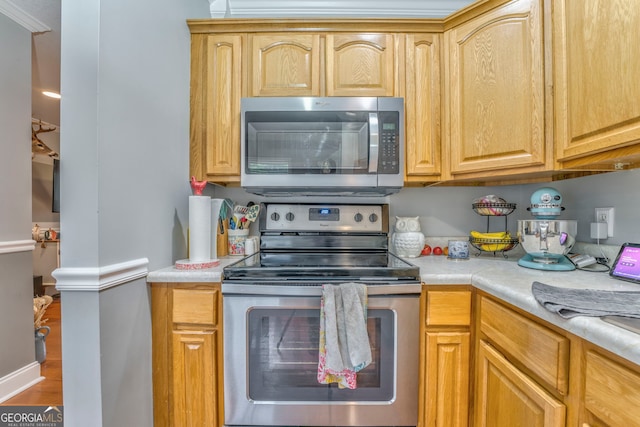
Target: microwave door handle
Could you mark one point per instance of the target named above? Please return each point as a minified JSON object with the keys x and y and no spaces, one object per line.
{"x":374,"y":142}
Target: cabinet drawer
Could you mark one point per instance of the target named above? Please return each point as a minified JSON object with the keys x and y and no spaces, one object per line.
{"x":195,"y":306}
{"x":611,"y":391}
{"x":544,"y":352}
{"x":448,"y":308}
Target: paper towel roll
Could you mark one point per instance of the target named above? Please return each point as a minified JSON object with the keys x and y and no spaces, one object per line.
{"x":199,"y":228}
{"x":216,"y":204}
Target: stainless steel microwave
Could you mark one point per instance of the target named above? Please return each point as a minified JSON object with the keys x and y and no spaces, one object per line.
{"x":322,"y":146}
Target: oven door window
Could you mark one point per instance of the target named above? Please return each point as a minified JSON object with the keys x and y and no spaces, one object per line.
{"x":283,"y":358}
{"x":285,"y":142}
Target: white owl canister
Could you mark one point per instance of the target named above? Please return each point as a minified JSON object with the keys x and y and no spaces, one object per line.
{"x":407,"y":240}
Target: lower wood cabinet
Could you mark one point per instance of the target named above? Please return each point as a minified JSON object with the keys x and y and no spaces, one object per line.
{"x":482,"y":363}
{"x":187,"y":354}
{"x":611,"y":391}
{"x":507,"y":397}
{"x":522,"y":369}
{"x":445,"y":358}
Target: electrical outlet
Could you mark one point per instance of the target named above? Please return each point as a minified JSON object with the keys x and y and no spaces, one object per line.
{"x":606,"y":215}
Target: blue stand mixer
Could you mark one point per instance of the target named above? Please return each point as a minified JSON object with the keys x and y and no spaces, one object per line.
{"x":546,"y":239}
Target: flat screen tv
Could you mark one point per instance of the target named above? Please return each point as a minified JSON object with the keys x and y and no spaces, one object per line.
{"x":56,"y":186}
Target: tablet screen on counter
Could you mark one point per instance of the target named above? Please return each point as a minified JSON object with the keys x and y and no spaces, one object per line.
{"x":627,"y":263}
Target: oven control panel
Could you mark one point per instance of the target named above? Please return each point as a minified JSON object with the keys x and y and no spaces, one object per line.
{"x":318,"y":217}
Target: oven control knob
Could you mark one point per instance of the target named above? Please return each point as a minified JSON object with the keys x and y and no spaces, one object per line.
{"x":275,"y":216}
{"x":290,"y":216}
{"x":357,"y":217}
{"x":373,"y":217}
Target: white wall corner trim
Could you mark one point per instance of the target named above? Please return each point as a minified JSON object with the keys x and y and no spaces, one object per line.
{"x":20,"y":380}
{"x":23,"y":18}
{"x":100,"y":278}
{"x":17,"y":245}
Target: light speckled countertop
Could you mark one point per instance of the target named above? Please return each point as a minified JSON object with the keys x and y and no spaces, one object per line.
{"x":502,"y":278}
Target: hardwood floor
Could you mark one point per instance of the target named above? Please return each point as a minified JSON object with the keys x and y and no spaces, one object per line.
{"x":48,"y":391}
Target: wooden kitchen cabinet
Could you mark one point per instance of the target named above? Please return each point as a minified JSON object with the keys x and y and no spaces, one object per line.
{"x":596,"y":83}
{"x":233,"y":58}
{"x":495,"y":94}
{"x":522,"y":369}
{"x":289,"y":64}
{"x":285,"y":64}
{"x":216,"y":90}
{"x":611,"y":391}
{"x":187,"y":354}
{"x":422,"y":100}
{"x":360,"y":64}
{"x":445,"y":356}
{"x":507,"y":397}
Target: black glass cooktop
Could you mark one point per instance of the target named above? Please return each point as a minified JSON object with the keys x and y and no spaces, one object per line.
{"x":313,"y":265}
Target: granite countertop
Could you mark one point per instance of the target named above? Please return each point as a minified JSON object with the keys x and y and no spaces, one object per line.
{"x":502,"y":278}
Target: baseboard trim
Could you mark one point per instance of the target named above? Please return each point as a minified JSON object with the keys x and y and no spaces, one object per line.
{"x":98,"y":279}
{"x":13,"y":246}
{"x":20,"y":380}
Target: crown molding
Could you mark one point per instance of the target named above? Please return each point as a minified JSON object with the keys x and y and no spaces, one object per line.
{"x":343,"y":8}
{"x":29,"y":22}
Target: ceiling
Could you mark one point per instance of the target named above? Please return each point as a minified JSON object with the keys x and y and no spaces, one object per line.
{"x":45,"y":57}
{"x":46,"y":51}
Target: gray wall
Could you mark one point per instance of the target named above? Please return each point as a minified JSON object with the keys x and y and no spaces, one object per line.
{"x":447,"y":211}
{"x":124,"y":182}
{"x":16,"y":284}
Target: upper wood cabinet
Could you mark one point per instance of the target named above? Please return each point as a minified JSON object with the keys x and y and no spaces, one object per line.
{"x":596,"y":83}
{"x":232,"y":58}
{"x":216,"y":89}
{"x":495,"y":94}
{"x":285,"y":64}
{"x":422,"y":98}
{"x":289,"y":64}
{"x":360,"y":65}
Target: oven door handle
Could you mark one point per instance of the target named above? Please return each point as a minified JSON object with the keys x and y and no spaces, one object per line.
{"x":244,"y":289}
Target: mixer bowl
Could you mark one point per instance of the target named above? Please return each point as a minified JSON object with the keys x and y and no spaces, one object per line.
{"x":547,"y":239}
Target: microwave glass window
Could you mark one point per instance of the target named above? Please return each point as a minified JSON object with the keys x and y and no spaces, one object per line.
{"x":290,"y":143}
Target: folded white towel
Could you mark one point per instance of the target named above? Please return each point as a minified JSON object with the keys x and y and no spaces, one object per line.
{"x":344,"y":341}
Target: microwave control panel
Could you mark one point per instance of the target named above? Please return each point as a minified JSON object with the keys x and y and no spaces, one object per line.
{"x":388,"y":155}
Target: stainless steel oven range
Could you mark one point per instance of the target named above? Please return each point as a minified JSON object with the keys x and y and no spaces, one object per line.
{"x":271,"y":311}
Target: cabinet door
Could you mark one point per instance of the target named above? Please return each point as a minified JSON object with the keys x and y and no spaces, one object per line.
{"x":506,"y":397}
{"x":447,"y":379}
{"x":611,"y":392}
{"x":422,"y":106}
{"x":445,"y":356}
{"x":596,"y":80}
{"x":285,"y":65}
{"x":216,"y":64}
{"x":195,"y":397}
{"x":360,"y":65}
{"x":495,"y":101}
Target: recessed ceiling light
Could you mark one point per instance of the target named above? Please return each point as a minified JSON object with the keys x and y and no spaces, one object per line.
{"x":51,"y":94}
